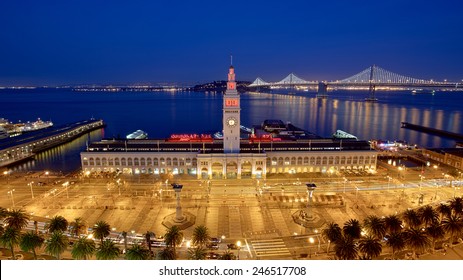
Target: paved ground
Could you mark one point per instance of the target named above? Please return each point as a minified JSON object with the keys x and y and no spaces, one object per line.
{"x":258,"y":213}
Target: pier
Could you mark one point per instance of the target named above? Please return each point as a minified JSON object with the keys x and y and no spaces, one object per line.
{"x":433,"y":131}
{"x":16,"y":149}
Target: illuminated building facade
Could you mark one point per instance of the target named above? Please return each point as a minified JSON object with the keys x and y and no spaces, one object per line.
{"x":231,"y":157}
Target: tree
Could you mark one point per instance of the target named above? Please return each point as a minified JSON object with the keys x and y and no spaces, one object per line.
{"x":101,"y":230}
{"x":346,"y":248}
{"x":138,"y":252}
{"x":166,"y":254}
{"x":412,"y":218}
{"x":416,"y":240}
{"x":30,"y":241}
{"x":56,"y":244}
{"x":78,"y":226}
{"x":392,"y":223}
{"x":83,"y":249}
{"x":173,"y":238}
{"x":352,"y":228}
{"x":453,"y":225}
{"x":396,"y":241}
{"x":456,"y":204}
{"x":444,"y":210}
{"x":57,"y":223}
{"x":107,"y":251}
{"x":3,"y":213}
{"x":332,"y":232}
{"x":370,"y":247}
{"x":375,"y":226}
{"x":227,"y":255}
{"x":16,"y":219}
{"x":201,"y":236}
{"x":428,"y":215}
{"x":436,"y":232}
{"x":10,"y":238}
{"x":197,"y":253}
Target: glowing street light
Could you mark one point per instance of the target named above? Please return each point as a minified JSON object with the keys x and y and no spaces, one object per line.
{"x":32,"y":191}
{"x":238,"y":244}
{"x":311,"y":241}
{"x":12,"y":197}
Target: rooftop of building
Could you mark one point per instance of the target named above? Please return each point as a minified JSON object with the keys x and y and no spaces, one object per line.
{"x":453,"y":151}
{"x":216,"y":146}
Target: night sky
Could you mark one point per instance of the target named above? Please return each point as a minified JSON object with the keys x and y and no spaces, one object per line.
{"x":139,"y":42}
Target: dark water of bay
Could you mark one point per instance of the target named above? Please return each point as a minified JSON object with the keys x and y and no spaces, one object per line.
{"x":163,"y":113}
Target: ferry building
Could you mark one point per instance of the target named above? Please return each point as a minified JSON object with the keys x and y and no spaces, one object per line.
{"x":270,"y":149}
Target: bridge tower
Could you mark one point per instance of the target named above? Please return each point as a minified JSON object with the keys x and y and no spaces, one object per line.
{"x":231,"y":115}
{"x":371,"y":92}
{"x":322,"y":90}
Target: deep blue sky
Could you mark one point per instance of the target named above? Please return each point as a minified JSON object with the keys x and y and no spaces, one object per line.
{"x":75,"y":42}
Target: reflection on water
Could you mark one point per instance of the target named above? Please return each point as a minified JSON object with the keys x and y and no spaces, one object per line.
{"x":65,"y":158}
{"x":381,"y":120}
{"x":163,"y":113}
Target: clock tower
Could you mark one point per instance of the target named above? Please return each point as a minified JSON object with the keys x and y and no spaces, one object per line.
{"x":231,"y":115}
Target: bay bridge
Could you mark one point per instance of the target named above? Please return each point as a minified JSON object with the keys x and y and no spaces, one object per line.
{"x":372,"y":77}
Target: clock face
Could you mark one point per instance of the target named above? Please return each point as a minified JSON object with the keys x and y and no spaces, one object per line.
{"x":231,"y":122}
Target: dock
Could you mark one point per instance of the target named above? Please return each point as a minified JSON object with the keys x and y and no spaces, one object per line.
{"x":24,"y":147}
{"x":434,"y":131}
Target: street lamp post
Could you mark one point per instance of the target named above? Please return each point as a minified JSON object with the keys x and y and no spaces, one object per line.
{"x":388,"y":182}
{"x":32,"y":191}
{"x":238,"y":244}
{"x":12,"y":197}
{"x":345,"y":181}
{"x":6,"y":173}
{"x":311,"y":241}
{"x":46,"y":174}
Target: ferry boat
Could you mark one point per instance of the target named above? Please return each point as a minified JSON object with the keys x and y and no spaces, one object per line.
{"x":39,"y":124}
{"x":139,"y":134}
{"x":340,"y":134}
{"x":422,"y":91}
{"x":3,"y":133}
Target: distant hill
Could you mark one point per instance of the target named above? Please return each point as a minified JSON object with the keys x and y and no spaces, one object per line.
{"x":221,"y":86}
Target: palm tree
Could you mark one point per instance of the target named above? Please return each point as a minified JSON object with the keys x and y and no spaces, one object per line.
{"x":57,"y":223}
{"x":16,"y":219}
{"x":3,"y":213}
{"x":201,"y":236}
{"x":444,"y":210}
{"x":412,"y":218}
{"x":83,"y":249}
{"x":456,"y":204}
{"x":436,"y":232}
{"x":107,"y":251}
{"x":352,"y":228}
{"x":375,"y":226}
{"x":332,"y":232}
{"x":392,"y":223}
{"x":416,"y":239}
{"x":227,"y":255}
{"x":428,"y":215}
{"x":138,"y":252}
{"x":197,"y":253}
{"x":78,"y":226}
{"x":453,"y":225}
{"x":10,"y":238}
{"x":173,"y":237}
{"x":396,"y":241}
{"x":370,"y":247}
{"x":124,"y":235}
{"x":166,"y":254}
{"x":346,"y":248}
{"x":56,"y":244}
{"x":30,"y":241}
{"x":101,"y":230}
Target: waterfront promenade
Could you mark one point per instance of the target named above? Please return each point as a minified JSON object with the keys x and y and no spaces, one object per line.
{"x":259,"y":213}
